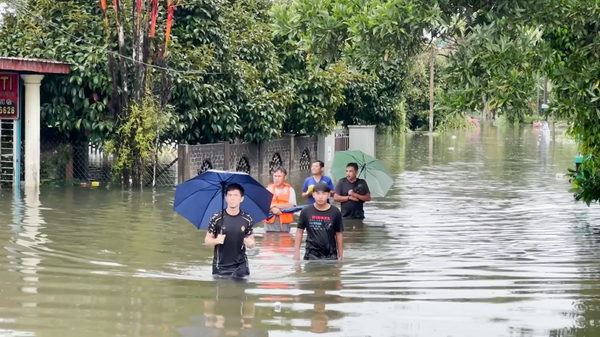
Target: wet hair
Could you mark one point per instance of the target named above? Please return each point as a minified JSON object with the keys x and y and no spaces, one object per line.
{"x":354,"y":165}
{"x":234,"y":187}
{"x":321,"y":187}
{"x":280,"y":169}
{"x":321,"y":163}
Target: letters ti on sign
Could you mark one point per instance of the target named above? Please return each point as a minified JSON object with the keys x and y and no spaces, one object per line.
{"x":9,"y":96}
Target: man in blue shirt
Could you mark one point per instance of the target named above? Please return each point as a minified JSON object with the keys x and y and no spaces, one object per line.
{"x":317,"y":176}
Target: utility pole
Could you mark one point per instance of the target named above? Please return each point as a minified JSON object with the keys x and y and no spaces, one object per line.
{"x":537,"y":96}
{"x":545,"y":106}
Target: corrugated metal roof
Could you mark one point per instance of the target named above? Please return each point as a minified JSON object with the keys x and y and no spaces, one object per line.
{"x":32,"y":65}
{"x":26,"y":59}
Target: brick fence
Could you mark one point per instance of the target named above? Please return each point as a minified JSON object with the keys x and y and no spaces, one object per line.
{"x":294,"y":153}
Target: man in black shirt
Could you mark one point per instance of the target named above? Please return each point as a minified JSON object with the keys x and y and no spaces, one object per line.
{"x":323,"y":223}
{"x":352,"y":193}
{"x":230,"y":232}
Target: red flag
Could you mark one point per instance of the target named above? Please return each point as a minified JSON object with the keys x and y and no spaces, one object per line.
{"x":153,"y":18}
{"x":103,"y":4}
{"x":115,"y":3}
{"x":139,"y":14}
{"x":171,"y":9}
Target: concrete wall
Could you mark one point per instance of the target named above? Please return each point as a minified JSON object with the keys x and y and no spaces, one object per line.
{"x":362,"y":137}
{"x":294,"y":153}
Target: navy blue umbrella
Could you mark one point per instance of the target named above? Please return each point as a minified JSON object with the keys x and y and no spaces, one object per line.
{"x":200,"y":197}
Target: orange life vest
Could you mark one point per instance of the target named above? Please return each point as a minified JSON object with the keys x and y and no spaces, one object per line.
{"x":283,"y":198}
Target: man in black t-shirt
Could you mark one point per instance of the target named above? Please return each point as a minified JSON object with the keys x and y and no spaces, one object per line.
{"x":352,"y":193}
{"x":230,"y":232}
{"x":323,"y":223}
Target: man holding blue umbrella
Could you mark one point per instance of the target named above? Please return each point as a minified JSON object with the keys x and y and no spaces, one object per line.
{"x":230,"y":240}
{"x":226,"y":204}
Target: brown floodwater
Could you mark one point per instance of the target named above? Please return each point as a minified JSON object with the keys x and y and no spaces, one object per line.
{"x":478,"y":237}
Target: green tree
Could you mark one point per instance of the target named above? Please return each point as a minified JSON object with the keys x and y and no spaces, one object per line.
{"x":362,"y":37}
{"x":574,"y":73}
{"x":368,"y":32}
{"x":243,"y":95}
{"x":494,"y":69}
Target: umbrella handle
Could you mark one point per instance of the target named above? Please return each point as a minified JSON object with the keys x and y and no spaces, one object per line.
{"x":222,"y":219}
{"x":223,"y":187}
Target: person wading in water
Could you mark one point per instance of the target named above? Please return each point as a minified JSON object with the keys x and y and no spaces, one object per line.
{"x":352,"y":192}
{"x":317,"y":177}
{"x":230,"y":231}
{"x":324,"y":227}
{"x":284,"y":196}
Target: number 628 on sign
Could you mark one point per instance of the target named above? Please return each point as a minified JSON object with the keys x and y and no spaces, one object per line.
{"x":7,"y":110}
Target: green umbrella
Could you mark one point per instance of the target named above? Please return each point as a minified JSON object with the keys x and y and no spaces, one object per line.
{"x":371,"y":169}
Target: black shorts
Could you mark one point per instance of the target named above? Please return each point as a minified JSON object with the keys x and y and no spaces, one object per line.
{"x":240,"y":272}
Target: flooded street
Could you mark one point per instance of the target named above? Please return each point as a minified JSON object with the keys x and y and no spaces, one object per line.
{"x":479,"y":237}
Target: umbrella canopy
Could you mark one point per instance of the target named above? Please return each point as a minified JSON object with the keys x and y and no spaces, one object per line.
{"x":200,"y":197}
{"x":371,"y":169}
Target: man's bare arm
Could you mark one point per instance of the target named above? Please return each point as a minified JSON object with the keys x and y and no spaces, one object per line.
{"x":298,"y":243}
{"x":366,"y":197}
{"x":283,"y":205}
{"x":249,"y":241}
{"x":340,"y":198}
{"x":211,"y":240}
{"x":339,"y":238}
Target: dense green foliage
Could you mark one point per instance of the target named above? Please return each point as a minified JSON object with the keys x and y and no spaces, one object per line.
{"x":377,"y":42}
{"x":244,"y":94}
{"x":575,"y":70}
{"x":232,"y":77}
{"x":494,"y":68}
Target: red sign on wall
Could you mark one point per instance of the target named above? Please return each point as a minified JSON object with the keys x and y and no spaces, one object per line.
{"x":9,"y":96}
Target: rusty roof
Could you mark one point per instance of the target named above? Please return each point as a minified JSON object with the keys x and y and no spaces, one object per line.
{"x":32,"y":65}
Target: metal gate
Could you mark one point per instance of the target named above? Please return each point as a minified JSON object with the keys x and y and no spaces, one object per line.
{"x":7,"y":153}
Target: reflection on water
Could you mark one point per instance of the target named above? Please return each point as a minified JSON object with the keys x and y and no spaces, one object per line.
{"x":227,"y":312}
{"x":478,"y":237}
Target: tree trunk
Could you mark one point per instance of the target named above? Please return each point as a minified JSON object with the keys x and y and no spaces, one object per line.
{"x":137,"y":169}
{"x":140,"y":54}
{"x":431,"y":87}
{"x":122,"y":65}
{"x":141,"y":48}
{"x":125,"y":94}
